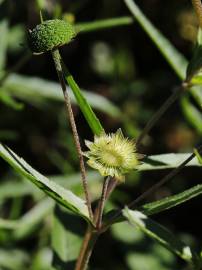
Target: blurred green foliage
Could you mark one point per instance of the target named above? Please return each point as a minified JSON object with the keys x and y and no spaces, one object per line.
{"x":126,"y":80}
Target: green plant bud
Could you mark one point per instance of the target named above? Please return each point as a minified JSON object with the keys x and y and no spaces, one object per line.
{"x":50,"y":35}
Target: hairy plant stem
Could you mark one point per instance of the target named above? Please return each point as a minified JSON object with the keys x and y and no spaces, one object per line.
{"x":58,"y":65}
{"x":172,"y":98}
{"x":101,"y":203}
{"x":198,"y":9}
{"x":89,"y":241}
{"x":92,"y":234}
{"x":151,"y":189}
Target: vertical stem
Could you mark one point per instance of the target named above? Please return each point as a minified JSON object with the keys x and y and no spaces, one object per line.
{"x":86,"y":249}
{"x":102,"y":202}
{"x":159,"y":113}
{"x":57,"y":60}
{"x":91,"y":233}
{"x":198,"y":9}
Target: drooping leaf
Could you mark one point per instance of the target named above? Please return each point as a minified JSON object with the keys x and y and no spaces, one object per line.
{"x":159,"y":234}
{"x":57,"y":192}
{"x":34,"y":90}
{"x":166,"y":161}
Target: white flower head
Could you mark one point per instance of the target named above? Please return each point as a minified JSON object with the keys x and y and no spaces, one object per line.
{"x":112,"y":155}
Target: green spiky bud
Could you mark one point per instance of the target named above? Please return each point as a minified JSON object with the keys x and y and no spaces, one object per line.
{"x":50,"y":35}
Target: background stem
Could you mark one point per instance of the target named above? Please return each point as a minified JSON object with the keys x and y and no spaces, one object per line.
{"x":58,"y":65}
{"x":198,"y":9}
{"x":173,"y":97}
{"x":102,"y":201}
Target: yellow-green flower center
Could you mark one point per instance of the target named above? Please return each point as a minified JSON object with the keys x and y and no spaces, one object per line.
{"x":111,"y":158}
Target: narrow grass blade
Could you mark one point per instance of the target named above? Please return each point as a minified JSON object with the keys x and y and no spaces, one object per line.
{"x":173,"y":57}
{"x":57,"y":192}
{"x":158,"y":233}
{"x":86,"y":109}
{"x":103,"y":24}
{"x":171,"y":201}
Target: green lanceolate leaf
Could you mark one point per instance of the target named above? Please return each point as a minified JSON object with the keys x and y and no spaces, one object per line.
{"x":171,"y":201}
{"x":192,"y":114}
{"x":158,"y":233}
{"x":58,"y":193}
{"x":166,"y":161}
{"x":103,"y":24}
{"x":174,"y":58}
{"x":86,"y":109}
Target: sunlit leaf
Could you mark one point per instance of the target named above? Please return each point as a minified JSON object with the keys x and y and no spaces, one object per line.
{"x":159,"y":234}
{"x":57,"y":192}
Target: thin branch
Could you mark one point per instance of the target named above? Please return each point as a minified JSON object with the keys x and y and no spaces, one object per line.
{"x":102,"y":201}
{"x":174,"y":96}
{"x":58,"y":65}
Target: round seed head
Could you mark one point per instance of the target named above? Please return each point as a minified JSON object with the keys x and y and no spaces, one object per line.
{"x":49,"y":35}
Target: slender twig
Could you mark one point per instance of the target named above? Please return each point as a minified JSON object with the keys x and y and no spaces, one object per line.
{"x":89,"y":241}
{"x":198,"y":9}
{"x":173,"y":97}
{"x":152,"y":189}
{"x":102,"y":202}
{"x":57,"y":60}
{"x":111,"y":186}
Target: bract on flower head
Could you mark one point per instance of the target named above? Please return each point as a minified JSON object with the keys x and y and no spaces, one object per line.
{"x":50,"y":35}
{"x":112,"y":155}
